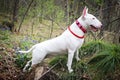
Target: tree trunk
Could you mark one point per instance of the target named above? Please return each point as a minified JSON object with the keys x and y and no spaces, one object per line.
{"x":68,"y":19}
{"x":111,"y":16}
{"x":25,"y":15}
{"x":14,"y":16}
{"x":111,"y":13}
{"x":51,"y":28}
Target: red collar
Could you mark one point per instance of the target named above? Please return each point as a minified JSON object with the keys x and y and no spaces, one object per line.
{"x":79,"y":25}
{"x":75,"y":34}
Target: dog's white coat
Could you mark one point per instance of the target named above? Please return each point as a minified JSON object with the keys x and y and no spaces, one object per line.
{"x":66,"y":42}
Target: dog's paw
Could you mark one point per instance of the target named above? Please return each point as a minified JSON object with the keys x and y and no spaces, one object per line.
{"x":71,"y":70}
{"x":24,"y":70}
{"x":78,"y":59}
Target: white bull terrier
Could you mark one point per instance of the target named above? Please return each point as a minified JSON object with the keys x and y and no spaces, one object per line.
{"x":70,"y":41}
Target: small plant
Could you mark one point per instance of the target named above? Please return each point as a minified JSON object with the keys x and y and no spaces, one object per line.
{"x":25,"y":45}
{"x":21,"y":60}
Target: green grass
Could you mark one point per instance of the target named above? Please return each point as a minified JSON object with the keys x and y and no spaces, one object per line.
{"x":93,"y":47}
{"x":105,"y":62}
{"x":5,"y":38}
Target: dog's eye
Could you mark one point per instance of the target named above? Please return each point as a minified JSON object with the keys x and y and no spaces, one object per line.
{"x":93,"y":18}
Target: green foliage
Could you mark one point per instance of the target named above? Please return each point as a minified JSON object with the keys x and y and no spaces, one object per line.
{"x":0,"y":56}
{"x":92,"y":48}
{"x":25,"y":44}
{"x":5,"y":37}
{"x":62,"y":60}
{"x":44,"y":9}
{"x":106,"y":61}
{"x":98,"y":2}
{"x":80,"y":68}
{"x":21,"y":60}
{"x":52,"y":11}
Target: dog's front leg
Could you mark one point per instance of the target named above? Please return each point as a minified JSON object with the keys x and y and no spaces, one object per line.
{"x":70,"y":59}
{"x":77,"y":55}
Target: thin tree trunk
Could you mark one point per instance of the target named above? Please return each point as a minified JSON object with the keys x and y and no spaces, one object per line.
{"x":41,"y":14}
{"x":14,"y":16}
{"x":25,"y":15}
{"x":51,"y":29}
{"x":32,"y":26}
{"x":68,"y":19}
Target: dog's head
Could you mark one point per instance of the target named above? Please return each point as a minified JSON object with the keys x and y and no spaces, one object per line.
{"x":90,"y":21}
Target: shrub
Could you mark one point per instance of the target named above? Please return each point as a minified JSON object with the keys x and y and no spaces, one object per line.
{"x":106,"y":61}
{"x":92,"y":47}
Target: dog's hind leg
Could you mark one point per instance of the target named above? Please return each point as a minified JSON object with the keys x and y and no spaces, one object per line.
{"x":77,"y":55}
{"x":37,"y":57}
{"x":26,"y":66}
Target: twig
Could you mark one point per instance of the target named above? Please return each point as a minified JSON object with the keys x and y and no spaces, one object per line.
{"x":50,"y":69}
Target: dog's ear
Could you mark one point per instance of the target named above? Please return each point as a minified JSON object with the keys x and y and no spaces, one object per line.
{"x":85,"y":12}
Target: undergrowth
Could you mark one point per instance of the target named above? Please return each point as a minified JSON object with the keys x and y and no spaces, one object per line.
{"x":5,"y":38}
{"x":106,"y":62}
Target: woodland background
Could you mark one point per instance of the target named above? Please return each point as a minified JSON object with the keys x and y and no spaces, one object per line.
{"x":24,"y":23}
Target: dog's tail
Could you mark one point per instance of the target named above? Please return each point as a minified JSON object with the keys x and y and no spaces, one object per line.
{"x":28,"y":50}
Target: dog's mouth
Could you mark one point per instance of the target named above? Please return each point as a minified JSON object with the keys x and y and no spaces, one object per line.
{"x":93,"y":28}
